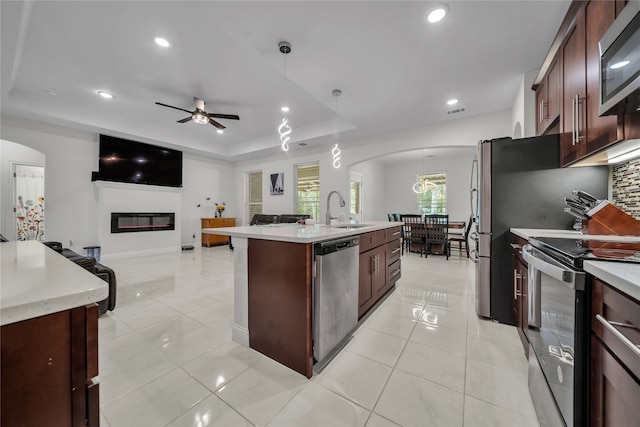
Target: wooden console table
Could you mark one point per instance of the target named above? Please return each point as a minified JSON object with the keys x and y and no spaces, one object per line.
{"x":209,"y":240}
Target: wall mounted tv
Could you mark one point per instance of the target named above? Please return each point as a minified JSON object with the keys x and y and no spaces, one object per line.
{"x":134,"y":162}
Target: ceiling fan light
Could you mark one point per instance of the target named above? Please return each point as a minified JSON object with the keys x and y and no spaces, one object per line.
{"x":285,"y":109}
{"x":220,"y":131}
{"x":200,"y":118}
{"x":452,"y":102}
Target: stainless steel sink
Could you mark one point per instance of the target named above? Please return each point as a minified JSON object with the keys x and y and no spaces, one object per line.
{"x":348,"y":226}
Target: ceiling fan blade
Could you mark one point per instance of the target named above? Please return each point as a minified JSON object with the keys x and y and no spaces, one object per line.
{"x":225,"y":116}
{"x":171,"y":106}
{"x":199,"y":103}
{"x":184,"y":120}
{"x":216,"y":124}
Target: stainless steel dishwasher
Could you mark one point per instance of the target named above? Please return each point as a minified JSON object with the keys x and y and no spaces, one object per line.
{"x":335,"y":297}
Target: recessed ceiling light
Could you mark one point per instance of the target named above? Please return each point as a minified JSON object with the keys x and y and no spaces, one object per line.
{"x":162,"y":42}
{"x":105,"y":94}
{"x":438,"y":13}
{"x":285,"y":109}
{"x":619,"y":65}
{"x":452,"y":102}
{"x":220,"y":131}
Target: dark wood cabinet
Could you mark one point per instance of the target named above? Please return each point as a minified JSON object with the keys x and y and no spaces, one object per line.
{"x":48,"y":367}
{"x":583,"y":131}
{"x":615,"y":363}
{"x":209,"y":240}
{"x":573,"y":93}
{"x":379,"y":266}
{"x":520,"y":301}
{"x":548,"y":99}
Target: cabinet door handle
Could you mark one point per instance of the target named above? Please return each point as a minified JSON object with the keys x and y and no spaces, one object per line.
{"x":395,"y":251}
{"x":395,"y":273}
{"x":573,"y":122}
{"x":516,"y":277}
{"x":397,"y":233}
{"x":626,"y":341}
{"x":578,"y":137}
{"x":540,"y":112}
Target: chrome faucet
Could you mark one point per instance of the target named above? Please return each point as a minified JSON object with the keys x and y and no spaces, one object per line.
{"x":329,"y":217}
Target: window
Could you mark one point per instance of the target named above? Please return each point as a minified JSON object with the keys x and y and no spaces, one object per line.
{"x":434,"y":199}
{"x":308,"y":194}
{"x":254,"y":195}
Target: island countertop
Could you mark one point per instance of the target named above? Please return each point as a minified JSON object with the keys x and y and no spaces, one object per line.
{"x":298,"y":233}
{"x":35,"y":280}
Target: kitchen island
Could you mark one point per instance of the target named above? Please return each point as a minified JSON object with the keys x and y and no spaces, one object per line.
{"x":49,"y":327}
{"x":274,"y":269}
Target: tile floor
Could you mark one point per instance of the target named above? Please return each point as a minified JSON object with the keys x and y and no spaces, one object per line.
{"x":422,"y":359}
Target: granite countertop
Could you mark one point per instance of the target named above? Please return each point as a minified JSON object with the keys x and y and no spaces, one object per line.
{"x":301,"y":233}
{"x":623,"y":276}
{"x":36,"y":280}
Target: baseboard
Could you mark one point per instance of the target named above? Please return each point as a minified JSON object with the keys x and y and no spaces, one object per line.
{"x":240,"y":334}
{"x":121,"y":255}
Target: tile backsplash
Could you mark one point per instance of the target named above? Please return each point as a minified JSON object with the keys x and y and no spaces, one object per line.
{"x":625,"y":192}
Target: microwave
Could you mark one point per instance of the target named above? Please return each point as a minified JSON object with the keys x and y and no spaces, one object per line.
{"x":620,"y":63}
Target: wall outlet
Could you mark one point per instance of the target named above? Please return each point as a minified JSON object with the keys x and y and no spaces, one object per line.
{"x":194,"y":235}
{"x":70,"y":242}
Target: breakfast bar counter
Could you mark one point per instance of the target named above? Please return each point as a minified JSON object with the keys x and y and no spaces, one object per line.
{"x":274,"y":268}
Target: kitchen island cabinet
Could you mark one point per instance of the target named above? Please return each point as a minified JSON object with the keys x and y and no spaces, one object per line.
{"x":49,"y":345}
{"x":273,"y":282}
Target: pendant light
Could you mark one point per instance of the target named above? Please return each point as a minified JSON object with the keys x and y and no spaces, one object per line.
{"x":335,"y":152}
{"x":284,"y":129}
{"x":419,"y":187}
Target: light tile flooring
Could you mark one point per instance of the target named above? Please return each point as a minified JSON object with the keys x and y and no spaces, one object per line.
{"x":422,"y":359}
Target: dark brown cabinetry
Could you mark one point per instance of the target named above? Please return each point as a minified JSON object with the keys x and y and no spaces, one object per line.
{"x":48,"y":367}
{"x":379,"y":266}
{"x":615,"y":360}
{"x":209,"y":240}
{"x":583,"y":132}
{"x":520,"y":276}
{"x":548,"y":99}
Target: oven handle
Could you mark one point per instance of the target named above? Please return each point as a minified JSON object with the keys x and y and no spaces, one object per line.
{"x":626,"y":341}
{"x":564,"y":275}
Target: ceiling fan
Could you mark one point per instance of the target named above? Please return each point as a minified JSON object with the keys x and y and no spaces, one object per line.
{"x":200,"y":116}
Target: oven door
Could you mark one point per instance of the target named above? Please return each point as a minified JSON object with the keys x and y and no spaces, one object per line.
{"x":557,"y":292}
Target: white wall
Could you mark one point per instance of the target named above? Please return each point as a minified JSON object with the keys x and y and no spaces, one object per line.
{"x":523,"y":113}
{"x":11,"y":152}
{"x":461,"y":132}
{"x":72,"y":199}
{"x":202,"y":179}
{"x":72,"y":155}
{"x":374,"y":200}
{"x":400,"y":177}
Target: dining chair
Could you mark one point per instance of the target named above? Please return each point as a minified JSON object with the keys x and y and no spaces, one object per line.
{"x":461,"y":239}
{"x":414,"y":235}
{"x":437,"y":233}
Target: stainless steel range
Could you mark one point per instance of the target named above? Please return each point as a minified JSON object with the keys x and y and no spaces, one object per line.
{"x":559,"y":323}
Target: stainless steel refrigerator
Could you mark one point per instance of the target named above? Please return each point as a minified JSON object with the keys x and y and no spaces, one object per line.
{"x":516,"y":183}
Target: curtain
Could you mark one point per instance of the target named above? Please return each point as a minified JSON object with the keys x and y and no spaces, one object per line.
{"x":29,"y":181}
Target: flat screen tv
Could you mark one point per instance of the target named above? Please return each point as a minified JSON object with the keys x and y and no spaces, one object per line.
{"x":134,"y":162}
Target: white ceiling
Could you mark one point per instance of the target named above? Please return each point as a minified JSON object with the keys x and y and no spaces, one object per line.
{"x":394,"y":70}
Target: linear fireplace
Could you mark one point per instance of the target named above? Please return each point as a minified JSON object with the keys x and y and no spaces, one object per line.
{"x":131,"y":222}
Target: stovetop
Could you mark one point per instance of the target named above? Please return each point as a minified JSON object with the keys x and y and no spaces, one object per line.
{"x":574,"y":252}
